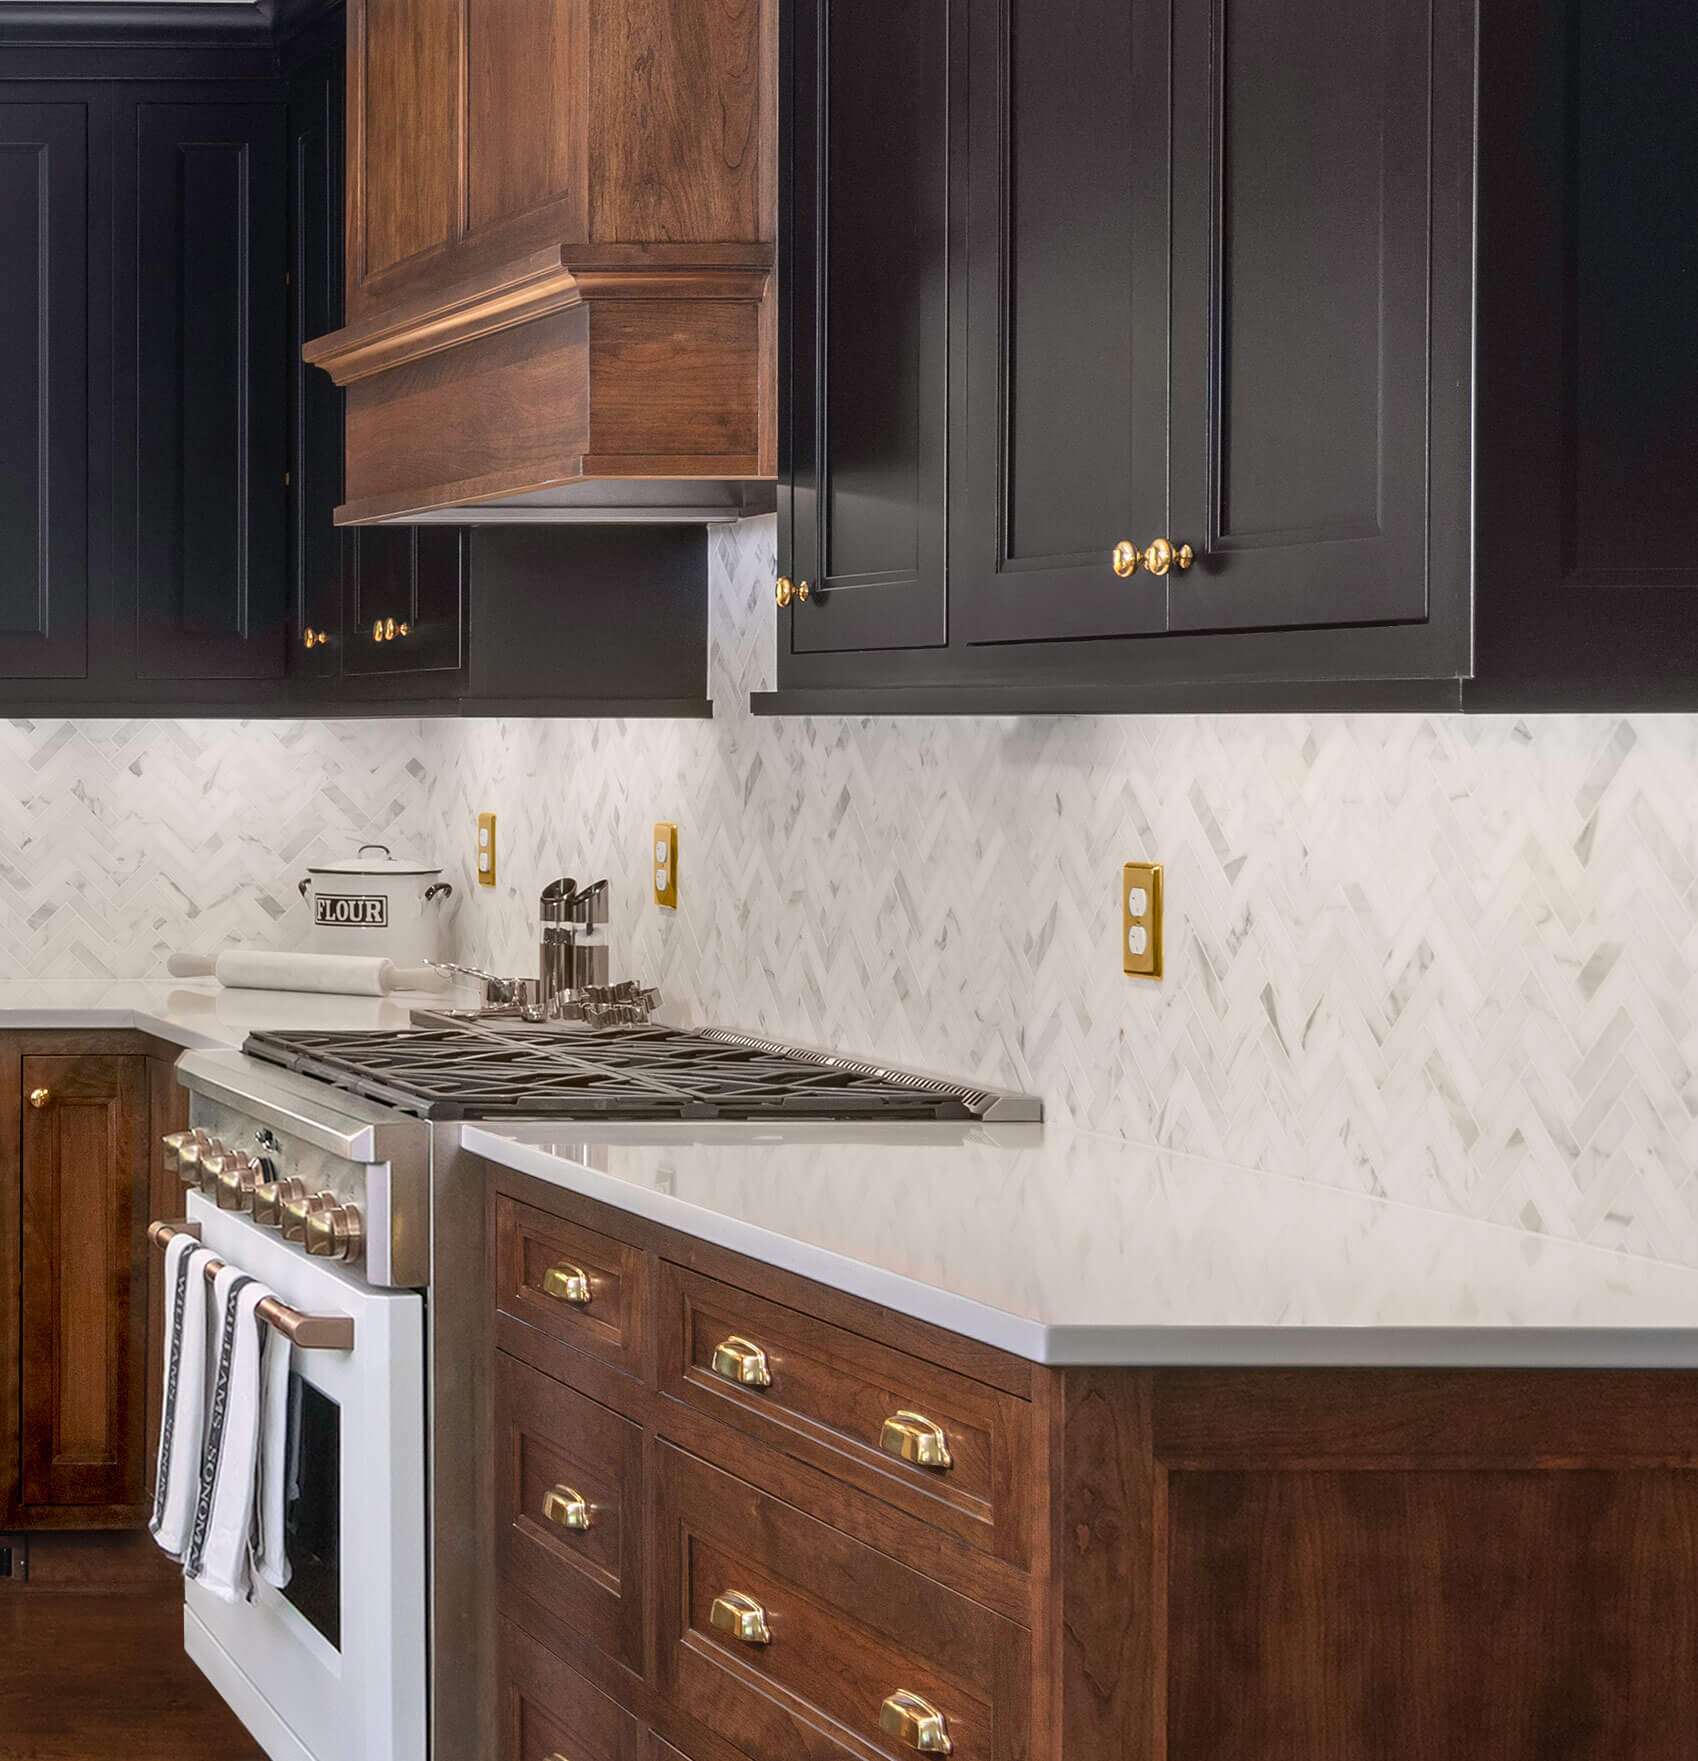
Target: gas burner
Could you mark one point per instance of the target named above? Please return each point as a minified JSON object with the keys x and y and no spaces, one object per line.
{"x":449,"y":1071}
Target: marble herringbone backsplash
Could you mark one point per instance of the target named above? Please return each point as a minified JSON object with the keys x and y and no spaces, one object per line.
{"x":1453,"y":961}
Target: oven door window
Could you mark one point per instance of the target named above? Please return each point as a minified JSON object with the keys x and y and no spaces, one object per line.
{"x":312,"y":1512}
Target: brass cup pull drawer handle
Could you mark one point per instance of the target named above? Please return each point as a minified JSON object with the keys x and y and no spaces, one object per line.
{"x":742,"y":1617}
{"x":915,"y":1722}
{"x":741,"y":1361}
{"x":566,"y":1508}
{"x":566,"y":1283}
{"x":911,"y":1436}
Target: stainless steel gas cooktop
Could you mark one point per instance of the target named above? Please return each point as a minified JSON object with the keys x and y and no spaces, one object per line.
{"x":516,"y":1072}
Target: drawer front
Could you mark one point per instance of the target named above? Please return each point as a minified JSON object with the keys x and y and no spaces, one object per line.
{"x":788,"y":1637}
{"x":847,"y":1404}
{"x":575,"y":1284}
{"x":569,"y":1512}
{"x":548,"y":1712}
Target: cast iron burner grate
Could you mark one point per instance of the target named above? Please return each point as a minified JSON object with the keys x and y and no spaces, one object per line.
{"x":652,"y":1072}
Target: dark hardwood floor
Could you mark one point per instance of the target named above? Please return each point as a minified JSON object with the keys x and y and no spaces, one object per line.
{"x":92,"y":1663}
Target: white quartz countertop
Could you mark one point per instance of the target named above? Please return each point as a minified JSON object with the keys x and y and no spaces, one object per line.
{"x":1069,"y":1247}
{"x":194,"y":1012}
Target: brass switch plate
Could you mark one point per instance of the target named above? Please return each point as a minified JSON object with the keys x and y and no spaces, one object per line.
{"x":486,"y":849}
{"x":665,"y":854}
{"x":1140,"y":919}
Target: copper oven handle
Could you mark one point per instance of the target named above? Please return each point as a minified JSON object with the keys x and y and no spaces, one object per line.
{"x":309,"y":1332}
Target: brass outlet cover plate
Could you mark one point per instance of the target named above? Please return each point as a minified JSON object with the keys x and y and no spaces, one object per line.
{"x":486,"y":849}
{"x":1140,"y":930}
{"x":665,"y":854}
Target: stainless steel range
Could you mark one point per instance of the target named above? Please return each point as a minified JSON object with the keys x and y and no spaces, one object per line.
{"x":348,"y":1145}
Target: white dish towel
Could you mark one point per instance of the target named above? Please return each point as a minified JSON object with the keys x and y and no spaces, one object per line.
{"x":236,"y":1530}
{"x":183,"y":1413}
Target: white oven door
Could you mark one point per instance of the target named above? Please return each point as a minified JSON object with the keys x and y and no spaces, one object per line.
{"x":332,"y":1668}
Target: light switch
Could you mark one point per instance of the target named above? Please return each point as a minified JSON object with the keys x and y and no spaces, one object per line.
{"x":486,"y":849}
{"x":665,"y":854}
{"x":1140,"y":919}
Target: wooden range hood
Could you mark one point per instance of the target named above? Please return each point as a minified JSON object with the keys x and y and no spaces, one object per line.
{"x":560,"y":299}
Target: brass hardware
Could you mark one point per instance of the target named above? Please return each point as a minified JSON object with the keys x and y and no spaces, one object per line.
{"x":215,"y":1163}
{"x":1126,"y":559}
{"x":377,"y":631}
{"x":916,"y":1722}
{"x":403,"y":629}
{"x":742,"y":1617}
{"x":195,"y":1145}
{"x":296,"y":1211}
{"x":39,"y":1097}
{"x":913,"y":1437}
{"x":315,"y":638}
{"x":1161,"y":556}
{"x":802,"y":591}
{"x":566,"y":1508}
{"x":173,"y":1143}
{"x":740,"y":1360}
{"x":270,"y":1196}
{"x":309,"y":1332}
{"x":334,"y":1233}
{"x":236,"y":1184}
{"x":568,"y":1283}
{"x":1140,"y":919}
{"x":785,"y":591}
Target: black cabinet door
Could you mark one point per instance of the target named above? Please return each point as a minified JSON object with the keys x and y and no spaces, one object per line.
{"x":1303,"y":202}
{"x":869,"y":157}
{"x":44,"y":336}
{"x":1064,"y":444}
{"x":404,"y":603}
{"x":203,"y":428}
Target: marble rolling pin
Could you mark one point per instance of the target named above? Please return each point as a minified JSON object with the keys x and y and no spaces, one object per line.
{"x":342,"y":975}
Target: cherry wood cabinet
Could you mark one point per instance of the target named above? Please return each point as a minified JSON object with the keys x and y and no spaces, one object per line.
{"x":1366,"y":312}
{"x":1351,"y":1565}
{"x":559,"y":253}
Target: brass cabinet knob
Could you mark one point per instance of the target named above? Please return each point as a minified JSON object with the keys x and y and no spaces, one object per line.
{"x":1125,"y":558}
{"x":270,"y":1197}
{"x":377,"y":631}
{"x":911,"y":1436}
{"x":39,"y":1097}
{"x":785,"y":591}
{"x":1161,"y":556}
{"x":566,"y":1508}
{"x":802,"y":592}
{"x":740,"y":1360}
{"x":567,"y":1283}
{"x":916,"y":1722}
{"x":403,"y":629}
{"x":312,"y":638}
{"x":742,"y":1617}
{"x":334,"y":1233}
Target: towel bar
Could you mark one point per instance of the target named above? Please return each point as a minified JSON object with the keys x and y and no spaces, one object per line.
{"x":309,"y":1332}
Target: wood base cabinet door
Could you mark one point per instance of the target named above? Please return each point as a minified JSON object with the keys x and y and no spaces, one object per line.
{"x":85,"y":1172}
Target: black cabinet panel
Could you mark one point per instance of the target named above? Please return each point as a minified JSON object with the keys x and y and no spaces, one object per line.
{"x":870,"y":290}
{"x":44,"y":464}
{"x":1065,"y":440}
{"x":1302,"y":255}
{"x":209,"y":418}
{"x":404,"y":602}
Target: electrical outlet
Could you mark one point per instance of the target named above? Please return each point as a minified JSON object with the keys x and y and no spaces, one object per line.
{"x":665,"y":854}
{"x":1140,"y":919}
{"x":486,"y":849}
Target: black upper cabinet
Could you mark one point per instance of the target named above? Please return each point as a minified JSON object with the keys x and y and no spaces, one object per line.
{"x":203,"y":431}
{"x":44,"y":338}
{"x":869,"y":323}
{"x":1378,"y":312}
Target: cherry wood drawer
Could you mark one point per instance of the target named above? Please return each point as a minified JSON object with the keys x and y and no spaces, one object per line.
{"x":831,"y":1397}
{"x":546,"y":1710}
{"x":846,"y":1628}
{"x":569,"y":1513}
{"x":594,"y":1299}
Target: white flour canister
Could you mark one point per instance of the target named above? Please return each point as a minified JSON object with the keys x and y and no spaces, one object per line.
{"x":378,"y":904}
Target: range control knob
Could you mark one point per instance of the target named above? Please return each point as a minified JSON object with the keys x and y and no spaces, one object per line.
{"x":237,"y":1184}
{"x":173,"y":1144}
{"x":270,"y":1197}
{"x":189,"y":1154}
{"x":298,"y":1212}
{"x":215,"y":1159}
{"x":335,"y":1233}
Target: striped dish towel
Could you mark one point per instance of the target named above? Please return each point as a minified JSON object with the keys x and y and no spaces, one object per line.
{"x":183,"y":1412}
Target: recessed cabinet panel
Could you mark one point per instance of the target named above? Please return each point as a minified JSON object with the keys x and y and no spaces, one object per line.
{"x":405,"y":600}
{"x":872,"y":237}
{"x":43,"y":390}
{"x":1301,"y":239}
{"x":1066,"y":434}
{"x":210,"y":416}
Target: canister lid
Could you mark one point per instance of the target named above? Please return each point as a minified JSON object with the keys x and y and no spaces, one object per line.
{"x":366,"y":863}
